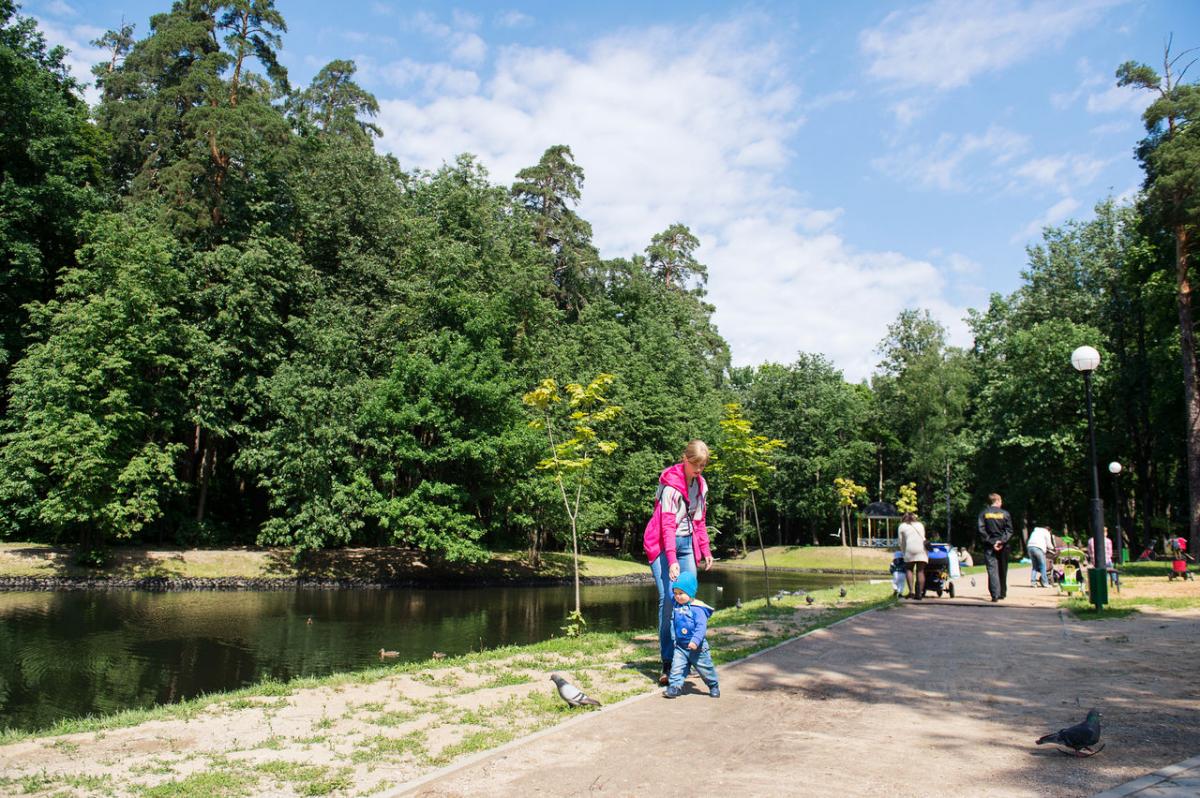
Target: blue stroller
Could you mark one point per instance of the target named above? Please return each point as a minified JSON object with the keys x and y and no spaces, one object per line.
{"x":940,"y":571}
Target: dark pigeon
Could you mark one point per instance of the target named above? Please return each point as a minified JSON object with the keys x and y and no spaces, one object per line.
{"x":842,"y":593}
{"x":572,"y":694}
{"x":809,"y":600}
{"x":1081,"y":738}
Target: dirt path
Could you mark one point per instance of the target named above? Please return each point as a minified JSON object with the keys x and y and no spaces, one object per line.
{"x":935,"y":698}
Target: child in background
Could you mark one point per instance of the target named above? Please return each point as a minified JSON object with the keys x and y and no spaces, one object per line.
{"x":689,"y":622}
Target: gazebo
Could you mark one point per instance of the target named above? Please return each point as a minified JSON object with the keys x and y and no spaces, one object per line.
{"x":880,"y":517}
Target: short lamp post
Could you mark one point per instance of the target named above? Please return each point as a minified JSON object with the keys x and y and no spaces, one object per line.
{"x":1085,"y":359}
{"x":1114,"y":468}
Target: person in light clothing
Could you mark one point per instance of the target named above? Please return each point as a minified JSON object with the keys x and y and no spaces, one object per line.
{"x":912,"y":543}
{"x":1040,"y":544}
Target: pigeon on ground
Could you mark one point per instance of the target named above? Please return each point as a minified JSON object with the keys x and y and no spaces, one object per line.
{"x":438,"y":655}
{"x":972,"y":581}
{"x":842,"y":593}
{"x":809,"y":600}
{"x":1080,"y":738}
{"x":738,"y":603}
{"x":572,"y":694}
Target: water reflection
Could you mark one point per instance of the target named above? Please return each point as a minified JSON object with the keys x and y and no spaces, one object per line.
{"x":77,"y":653}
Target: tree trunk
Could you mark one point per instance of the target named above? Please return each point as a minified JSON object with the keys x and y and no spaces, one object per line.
{"x":1191,"y":396}
{"x":762,"y":549}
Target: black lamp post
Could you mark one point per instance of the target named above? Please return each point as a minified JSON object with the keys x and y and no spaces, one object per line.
{"x":1085,"y":359}
{"x":1114,"y":468}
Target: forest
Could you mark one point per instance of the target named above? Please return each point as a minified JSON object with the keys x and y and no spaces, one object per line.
{"x":227,"y":319}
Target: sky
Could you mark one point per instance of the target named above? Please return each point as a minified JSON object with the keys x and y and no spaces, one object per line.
{"x":839,"y":162}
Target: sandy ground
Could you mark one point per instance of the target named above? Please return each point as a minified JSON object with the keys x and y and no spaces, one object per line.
{"x":943,"y":697}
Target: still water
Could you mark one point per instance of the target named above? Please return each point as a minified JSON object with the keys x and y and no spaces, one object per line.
{"x":78,"y":653}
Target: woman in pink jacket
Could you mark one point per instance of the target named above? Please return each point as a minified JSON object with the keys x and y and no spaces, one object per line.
{"x":676,"y":535}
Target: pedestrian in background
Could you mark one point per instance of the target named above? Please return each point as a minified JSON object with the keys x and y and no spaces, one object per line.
{"x":995,"y":530}
{"x":1039,"y":546}
{"x":912,"y":543}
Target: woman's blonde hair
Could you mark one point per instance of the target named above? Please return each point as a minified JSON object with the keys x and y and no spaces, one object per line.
{"x":696,"y":453}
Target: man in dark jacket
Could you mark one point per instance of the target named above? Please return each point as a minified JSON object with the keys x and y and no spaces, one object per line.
{"x":995,"y":529}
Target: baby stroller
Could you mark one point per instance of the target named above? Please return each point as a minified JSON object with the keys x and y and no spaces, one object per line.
{"x":939,"y":570}
{"x":1068,"y":571}
{"x":1177,"y":548}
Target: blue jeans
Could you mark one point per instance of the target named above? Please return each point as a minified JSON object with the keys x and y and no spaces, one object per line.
{"x":700,"y":659}
{"x":1037,"y":560}
{"x":662,"y":580}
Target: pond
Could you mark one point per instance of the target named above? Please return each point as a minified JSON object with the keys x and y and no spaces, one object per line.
{"x":76,"y":653}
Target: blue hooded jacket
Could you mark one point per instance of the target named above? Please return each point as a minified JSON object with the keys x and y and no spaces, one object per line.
{"x":689,"y":621}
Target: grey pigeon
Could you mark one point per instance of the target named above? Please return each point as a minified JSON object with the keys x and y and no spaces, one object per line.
{"x":572,"y":694}
{"x":972,"y":581}
{"x":1081,"y":738}
{"x":738,"y":603}
{"x":842,"y":593}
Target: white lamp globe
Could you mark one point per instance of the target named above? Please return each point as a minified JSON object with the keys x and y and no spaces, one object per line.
{"x":1085,"y":358}
{"x":1114,"y":467}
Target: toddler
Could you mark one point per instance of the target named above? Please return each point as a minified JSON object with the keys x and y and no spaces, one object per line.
{"x":689,"y":624}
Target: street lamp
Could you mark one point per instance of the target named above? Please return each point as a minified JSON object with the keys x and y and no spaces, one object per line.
{"x":1085,"y":359}
{"x":1114,"y":468}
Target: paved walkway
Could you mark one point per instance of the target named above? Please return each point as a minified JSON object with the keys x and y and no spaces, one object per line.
{"x":939,"y":697}
{"x":1181,"y":780}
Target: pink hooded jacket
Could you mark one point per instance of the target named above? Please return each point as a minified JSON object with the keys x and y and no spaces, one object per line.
{"x":660,"y":531}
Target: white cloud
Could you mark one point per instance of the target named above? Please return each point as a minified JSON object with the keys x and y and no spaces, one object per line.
{"x":692,"y":126}
{"x":60,"y":9}
{"x":946,"y":164}
{"x":1058,"y":212}
{"x":1117,"y":99}
{"x":81,"y":55}
{"x":1103,"y":94}
{"x":1063,"y":173}
{"x":465,"y":19}
{"x":513,"y":19}
{"x":945,"y":44}
{"x":461,"y":42}
{"x":469,"y":48}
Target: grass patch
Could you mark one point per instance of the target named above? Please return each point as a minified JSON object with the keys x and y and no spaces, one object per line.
{"x":380,"y":747}
{"x":473,"y":743}
{"x":212,"y":784}
{"x":1150,"y":568}
{"x":394,"y":718}
{"x":817,"y":558}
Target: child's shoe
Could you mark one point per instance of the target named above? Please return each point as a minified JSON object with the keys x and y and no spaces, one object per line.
{"x":672,"y":692}
{"x":714,"y":692}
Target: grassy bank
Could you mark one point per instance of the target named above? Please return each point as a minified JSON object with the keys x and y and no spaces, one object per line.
{"x":1149,"y":589}
{"x":817,"y":558}
{"x":376,"y":564}
{"x":362,"y":733}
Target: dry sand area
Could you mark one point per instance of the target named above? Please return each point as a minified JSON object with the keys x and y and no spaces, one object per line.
{"x":942,"y":698}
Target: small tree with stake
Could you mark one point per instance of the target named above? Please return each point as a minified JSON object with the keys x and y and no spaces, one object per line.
{"x":744,"y":459}
{"x":849,"y":495}
{"x":581,"y":411}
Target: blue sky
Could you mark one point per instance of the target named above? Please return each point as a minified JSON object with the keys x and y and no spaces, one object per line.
{"x":839,"y":161}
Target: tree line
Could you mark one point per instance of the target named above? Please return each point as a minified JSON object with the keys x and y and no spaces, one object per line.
{"x":227,"y":319}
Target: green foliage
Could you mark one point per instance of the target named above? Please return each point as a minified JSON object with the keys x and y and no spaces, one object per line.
{"x":88,"y":443}
{"x":51,"y":176}
{"x":743,"y":458}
